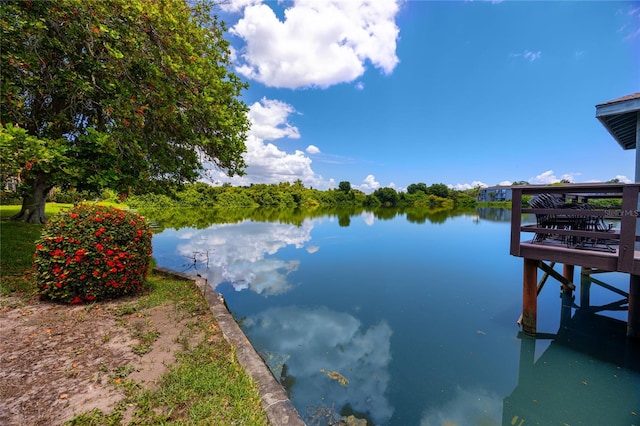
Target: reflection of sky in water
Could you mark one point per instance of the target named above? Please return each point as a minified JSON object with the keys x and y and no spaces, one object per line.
{"x":238,"y":253}
{"x":450,"y":292}
{"x":467,"y":407}
{"x":317,"y":341}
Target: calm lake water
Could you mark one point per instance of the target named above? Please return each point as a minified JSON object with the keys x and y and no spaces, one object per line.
{"x":411,"y":321}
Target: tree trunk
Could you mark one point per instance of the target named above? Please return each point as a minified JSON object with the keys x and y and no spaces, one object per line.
{"x":33,"y":203}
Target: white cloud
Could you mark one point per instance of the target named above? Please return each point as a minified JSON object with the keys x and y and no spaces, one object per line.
{"x":549,"y":177}
{"x":266,"y":162}
{"x":236,"y":6}
{"x":623,"y":179}
{"x":312,"y":149}
{"x":369,"y":184}
{"x":464,"y":186}
{"x":630,"y":27}
{"x":544,"y":178}
{"x":318,"y":44}
{"x":529,"y":55}
{"x":532,"y":56}
{"x":269,"y":120}
{"x":505,"y":183}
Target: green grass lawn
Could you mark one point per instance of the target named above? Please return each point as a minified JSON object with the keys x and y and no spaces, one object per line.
{"x":17,"y":245}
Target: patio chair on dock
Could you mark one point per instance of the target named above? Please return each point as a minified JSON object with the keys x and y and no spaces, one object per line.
{"x":594,"y":224}
{"x":572,"y":220}
{"x":547,"y":220}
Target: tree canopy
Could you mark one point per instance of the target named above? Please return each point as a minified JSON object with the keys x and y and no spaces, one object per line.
{"x":126,"y":94}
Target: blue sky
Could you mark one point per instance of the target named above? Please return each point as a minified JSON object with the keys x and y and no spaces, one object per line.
{"x":388,"y":93}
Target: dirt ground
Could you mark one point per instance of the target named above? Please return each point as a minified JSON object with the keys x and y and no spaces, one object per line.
{"x":57,"y":361}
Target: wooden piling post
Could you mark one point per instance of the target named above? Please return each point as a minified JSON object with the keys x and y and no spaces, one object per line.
{"x":567,"y":294}
{"x":585,"y":288}
{"x":530,"y":296}
{"x":568,"y":272}
{"x":633,"y":323}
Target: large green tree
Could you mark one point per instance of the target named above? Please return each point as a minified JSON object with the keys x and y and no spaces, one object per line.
{"x":127,"y":94}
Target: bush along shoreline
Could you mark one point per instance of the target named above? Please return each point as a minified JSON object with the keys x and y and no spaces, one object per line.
{"x":91,"y":253}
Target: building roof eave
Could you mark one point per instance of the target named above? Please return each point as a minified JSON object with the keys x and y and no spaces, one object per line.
{"x":620,"y":118}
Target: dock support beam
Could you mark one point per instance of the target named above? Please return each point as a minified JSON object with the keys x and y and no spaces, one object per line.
{"x":530,"y":296}
{"x":531,"y":289}
{"x":567,"y":293}
{"x":633,"y":323}
{"x":585,"y":288}
{"x":568,"y":272}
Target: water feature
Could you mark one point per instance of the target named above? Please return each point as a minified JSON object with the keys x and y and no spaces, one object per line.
{"x":405,"y":319}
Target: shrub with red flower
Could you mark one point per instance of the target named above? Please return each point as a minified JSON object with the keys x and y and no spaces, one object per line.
{"x":92,"y":252}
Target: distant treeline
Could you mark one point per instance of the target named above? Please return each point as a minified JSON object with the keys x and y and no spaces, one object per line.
{"x":285,"y":194}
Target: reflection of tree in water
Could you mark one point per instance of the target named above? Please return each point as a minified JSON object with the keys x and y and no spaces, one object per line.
{"x":286,"y":380}
{"x":276,"y":362}
{"x":196,"y":258}
{"x":421,"y":215}
{"x":201,"y":218}
{"x":344,"y":220}
{"x":494,"y":214}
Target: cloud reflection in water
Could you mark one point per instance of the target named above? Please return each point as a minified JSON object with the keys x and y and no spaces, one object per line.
{"x":238,"y":253}
{"x":319,"y":340}
{"x":468,"y":407}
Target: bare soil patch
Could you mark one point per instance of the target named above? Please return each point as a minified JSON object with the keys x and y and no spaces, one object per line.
{"x":57,"y":361}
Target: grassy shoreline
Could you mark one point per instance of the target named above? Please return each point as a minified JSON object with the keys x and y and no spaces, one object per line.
{"x":205,"y":385}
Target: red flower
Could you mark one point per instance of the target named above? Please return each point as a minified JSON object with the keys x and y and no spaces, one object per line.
{"x":59,"y":239}
{"x":57,"y":252}
{"x":39,"y":247}
{"x":73,"y":215}
{"x":99,"y":247}
{"x":77,"y":299}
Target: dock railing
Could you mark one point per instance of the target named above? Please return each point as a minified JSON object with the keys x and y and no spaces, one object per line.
{"x":572,"y":232}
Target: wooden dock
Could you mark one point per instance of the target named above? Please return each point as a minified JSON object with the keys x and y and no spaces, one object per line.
{"x":562,"y":237}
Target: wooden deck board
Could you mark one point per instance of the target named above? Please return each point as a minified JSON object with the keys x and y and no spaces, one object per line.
{"x":557,"y":251}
